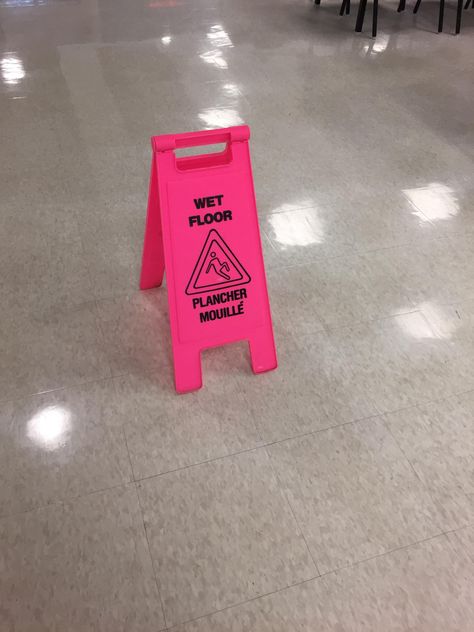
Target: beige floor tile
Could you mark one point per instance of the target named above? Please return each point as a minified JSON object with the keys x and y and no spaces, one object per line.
{"x":111,"y":228}
{"x":42,"y":260}
{"x":279,"y":402}
{"x":165,"y":432}
{"x":136,"y":333}
{"x":353,"y":493}
{"x":60,"y":445}
{"x":221,"y":533}
{"x":294,"y":298}
{"x":426,"y":587}
{"x":362,"y":151}
{"x":463,"y":539}
{"x":402,"y":361}
{"x":304,"y":607}
{"x":45,"y":351}
{"x":454,"y":323}
{"x":79,"y":566}
{"x":438,"y":440}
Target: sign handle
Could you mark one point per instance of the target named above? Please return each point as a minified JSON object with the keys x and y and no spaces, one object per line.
{"x":168,"y":142}
{"x":153,"y":260}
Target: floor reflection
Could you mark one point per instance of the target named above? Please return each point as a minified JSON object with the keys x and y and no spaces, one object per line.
{"x":50,"y":427}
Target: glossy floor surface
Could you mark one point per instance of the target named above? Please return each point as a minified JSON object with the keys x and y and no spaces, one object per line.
{"x":335,"y":494}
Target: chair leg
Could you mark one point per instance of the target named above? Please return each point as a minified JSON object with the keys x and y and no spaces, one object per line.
{"x":458,"y":17}
{"x":348,"y":6}
{"x":417,"y":6}
{"x":375,"y":9}
{"x":441,"y":16}
{"x":466,"y":6}
{"x":342,"y":10}
{"x":401,"y":6}
{"x":360,"y":15}
{"x":317,"y":1}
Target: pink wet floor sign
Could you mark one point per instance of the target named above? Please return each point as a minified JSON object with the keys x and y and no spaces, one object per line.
{"x":202,"y":226}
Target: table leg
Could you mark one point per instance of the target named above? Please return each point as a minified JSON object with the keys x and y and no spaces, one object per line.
{"x":458,"y":16}
{"x":375,"y":9}
{"x":360,"y":15}
{"x":441,"y":16}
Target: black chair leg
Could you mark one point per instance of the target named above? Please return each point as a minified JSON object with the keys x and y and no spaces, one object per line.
{"x":401,"y":6}
{"x":417,"y":6}
{"x":343,"y":7}
{"x":458,"y":16}
{"x":360,"y":15}
{"x":317,"y":1}
{"x":348,"y":6}
{"x":441,"y":16}
{"x":375,"y":9}
{"x":466,"y":6}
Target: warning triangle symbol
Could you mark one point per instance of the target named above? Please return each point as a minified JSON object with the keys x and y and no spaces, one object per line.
{"x":217,"y":267}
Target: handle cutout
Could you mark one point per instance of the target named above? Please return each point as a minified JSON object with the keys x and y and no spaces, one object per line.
{"x":200,"y":150}
{"x":203,"y":156}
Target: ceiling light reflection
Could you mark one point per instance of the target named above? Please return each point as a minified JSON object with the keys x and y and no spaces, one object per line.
{"x":12,"y":69}
{"x":166,"y":39}
{"x":433,"y":202}
{"x":21,"y":3}
{"x":300,"y":228}
{"x":230,"y":89}
{"x":50,"y":427}
{"x":219,"y":37}
{"x":294,"y":206}
{"x":220,"y":117}
{"x":444,"y":320}
{"x":416,"y":326}
{"x":215,"y":58}
{"x":378,"y":46}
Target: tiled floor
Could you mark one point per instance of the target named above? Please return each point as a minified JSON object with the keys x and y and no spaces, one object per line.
{"x":335,"y":494}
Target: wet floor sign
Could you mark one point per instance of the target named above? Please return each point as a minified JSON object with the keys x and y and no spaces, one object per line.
{"x":202,"y":226}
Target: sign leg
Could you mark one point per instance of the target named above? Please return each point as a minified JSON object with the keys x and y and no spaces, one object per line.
{"x":153,"y":260}
{"x":187,"y":368}
{"x":262,"y":351}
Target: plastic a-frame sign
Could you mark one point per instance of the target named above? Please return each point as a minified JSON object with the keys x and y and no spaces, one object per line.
{"x":202,"y":226}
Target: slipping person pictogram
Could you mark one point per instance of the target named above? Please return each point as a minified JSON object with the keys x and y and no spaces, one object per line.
{"x":217,"y":267}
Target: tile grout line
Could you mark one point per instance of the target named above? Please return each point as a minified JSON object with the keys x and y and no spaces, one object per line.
{"x":149,"y":553}
{"x":426,"y":489}
{"x":328,"y":329}
{"x":384,"y":553}
{"x":102,"y":346}
{"x":285,"y":497}
{"x":243,"y":603}
{"x":179,"y":469}
{"x":260,"y":446}
{"x":72,"y":386}
{"x":64,"y":501}
{"x":318,"y":578}
{"x":257,"y":447}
